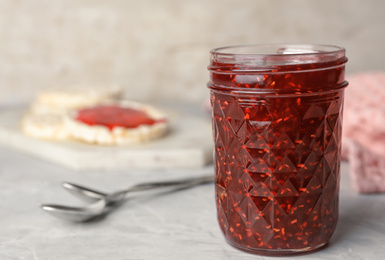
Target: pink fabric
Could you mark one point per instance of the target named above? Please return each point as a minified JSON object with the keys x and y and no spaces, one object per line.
{"x":364,"y":131}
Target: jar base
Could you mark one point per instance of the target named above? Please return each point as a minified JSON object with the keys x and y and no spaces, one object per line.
{"x":279,"y":252}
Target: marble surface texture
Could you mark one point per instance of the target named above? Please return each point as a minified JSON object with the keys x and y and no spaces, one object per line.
{"x":179,"y":225}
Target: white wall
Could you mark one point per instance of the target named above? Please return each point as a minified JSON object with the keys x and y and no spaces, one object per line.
{"x":158,"y":49}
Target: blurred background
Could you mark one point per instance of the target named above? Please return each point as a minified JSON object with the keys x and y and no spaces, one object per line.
{"x":158,"y":49}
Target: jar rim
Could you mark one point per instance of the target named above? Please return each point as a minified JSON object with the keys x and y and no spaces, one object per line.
{"x":280,"y":54}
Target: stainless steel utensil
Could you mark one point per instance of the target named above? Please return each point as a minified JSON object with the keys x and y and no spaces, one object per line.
{"x":102,"y":201}
{"x":84,"y":193}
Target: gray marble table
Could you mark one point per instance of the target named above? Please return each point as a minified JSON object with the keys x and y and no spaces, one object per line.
{"x":180,"y":225}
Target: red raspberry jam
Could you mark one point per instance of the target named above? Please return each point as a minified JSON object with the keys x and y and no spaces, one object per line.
{"x":112,"y":116}
{"x":277,"y":131}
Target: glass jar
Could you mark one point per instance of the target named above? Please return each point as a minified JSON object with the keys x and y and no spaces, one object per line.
{"x":277,"y":116}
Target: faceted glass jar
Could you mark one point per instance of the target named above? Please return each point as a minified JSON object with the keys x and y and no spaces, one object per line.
{"x":277,"y":117}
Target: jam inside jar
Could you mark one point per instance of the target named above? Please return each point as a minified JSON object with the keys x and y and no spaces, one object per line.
{"x":277,"y":116}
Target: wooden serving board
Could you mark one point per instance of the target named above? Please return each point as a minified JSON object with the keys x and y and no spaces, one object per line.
{"x":188,"y":145}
